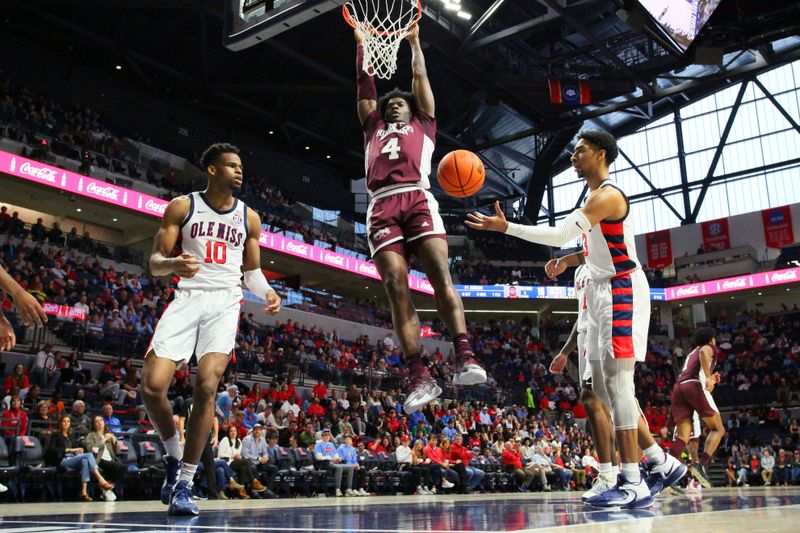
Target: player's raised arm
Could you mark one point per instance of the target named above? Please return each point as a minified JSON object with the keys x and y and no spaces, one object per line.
{"x":253,"y":276}
{"x":366,"y":93}
{"x":420,"y":85}
{"x":161,"y":263}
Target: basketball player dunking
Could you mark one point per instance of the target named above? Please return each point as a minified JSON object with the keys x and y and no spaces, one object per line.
{"x":593,"y":392}
{"x":218,"y":235}
{"x":692,"y":396}
{"x":403,"y":217}
{"x":618,"y":302}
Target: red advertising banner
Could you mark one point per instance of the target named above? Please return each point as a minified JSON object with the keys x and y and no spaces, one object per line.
{"x":778,"y":226}
{"x":715,"y":235}
{"x":659,"y":249}
{"x":64,"y":311}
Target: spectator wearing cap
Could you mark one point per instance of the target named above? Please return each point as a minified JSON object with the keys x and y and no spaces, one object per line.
{"x":349,"y":456}
{"x":250,"y":417}
{"x":225,"y":402}
{"x":255,"y":450}
{"x":325,"y":450}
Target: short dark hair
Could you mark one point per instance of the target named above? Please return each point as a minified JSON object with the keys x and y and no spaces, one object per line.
{"x":383,"y":102}
{"x":604,"y":141}
{"x":703,"y":336}
{"x":214,"y":151}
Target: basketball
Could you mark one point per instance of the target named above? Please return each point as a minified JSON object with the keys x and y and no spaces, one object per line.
{"x":461,"y":173}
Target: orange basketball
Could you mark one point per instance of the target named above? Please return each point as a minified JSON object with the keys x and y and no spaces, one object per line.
{"x":461,"y":173}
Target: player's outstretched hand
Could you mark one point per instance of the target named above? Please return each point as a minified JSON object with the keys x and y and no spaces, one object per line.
{"x":486,"y":223}
{"x":186,"y":265}
{"x":558,"y":364}
{"x":413,"y":35}
{"x":273,"y":303}
{"x":7,"y":337}
{"x":29,"y":310}
{"x":554,"y":268}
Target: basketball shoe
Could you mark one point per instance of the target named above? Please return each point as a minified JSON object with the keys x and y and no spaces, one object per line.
{"x":624,"y":495}
{"x":172,"y":467}
{"x":599,"y":486}
{"x":181,"y":503}
{"x":701,"y":474}
{"x":468,"y":370}
{"x":422,"y":390}
{"x":664,"y":474}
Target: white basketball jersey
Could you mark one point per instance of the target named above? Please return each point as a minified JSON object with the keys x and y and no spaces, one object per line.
{"x":217,"y":239}
{"x":609,"y":246}
{"x":582,"y":279}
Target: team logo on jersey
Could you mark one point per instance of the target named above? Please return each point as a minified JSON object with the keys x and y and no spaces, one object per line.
{"x":237,"y":219}
{"x":380,"y":234}
{"x":394,"y":127}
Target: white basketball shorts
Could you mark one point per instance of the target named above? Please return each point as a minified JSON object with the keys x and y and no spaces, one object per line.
{"x":198,"y":322}
{"x":619,"y":312}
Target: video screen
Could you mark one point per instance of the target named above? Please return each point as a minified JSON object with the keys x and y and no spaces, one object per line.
{"x":681,"y":19}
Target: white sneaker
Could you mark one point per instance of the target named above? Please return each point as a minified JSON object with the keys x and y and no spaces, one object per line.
{"x":624,"y":495}
{"x":422,"y":491}
{"x":3,"y":488}
{"x":109,"y":496}
{"x":339,"y":493}
{"x":422,"y":391}
{"x":362,"y":492}
{"x":469,"y":372}
{"x":599,"y":486}
{"x":665,"y":474}
{"x":447,"y":485}
{"x":432,"y":491}
{"x":350,"y":492}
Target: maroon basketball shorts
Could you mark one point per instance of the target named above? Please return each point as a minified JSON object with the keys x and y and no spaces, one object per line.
{"x":398,"y":220}
{"x":689,"y":397}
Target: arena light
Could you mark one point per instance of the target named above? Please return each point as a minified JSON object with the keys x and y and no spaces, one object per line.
{"x":113,"y":219}
{"x":464,"y":15}
{"x":271,"y":132}
{"x":118,"y":67}
{"x":78,"y":210}
{"x":565,"y":312}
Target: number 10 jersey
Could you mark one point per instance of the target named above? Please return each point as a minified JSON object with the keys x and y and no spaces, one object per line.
{"x":398,"y":154}
{"x":217,"y":239}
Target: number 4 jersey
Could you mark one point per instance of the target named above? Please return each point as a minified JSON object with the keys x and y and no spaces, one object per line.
{"x":217,"y":239}
{"x":398,"y":154}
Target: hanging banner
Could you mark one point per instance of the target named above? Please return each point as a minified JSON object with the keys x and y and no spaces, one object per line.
{"x":659,"y":249}
{"x":715,"y":235}
{"x":778,"y":226}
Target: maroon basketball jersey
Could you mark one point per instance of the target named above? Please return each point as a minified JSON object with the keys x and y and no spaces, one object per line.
{"x":398,"y":153}
{"x":692,"y":369}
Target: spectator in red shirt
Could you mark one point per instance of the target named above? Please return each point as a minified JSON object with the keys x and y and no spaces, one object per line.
{"x":473,"y":475}
{"x":435,"y":454}
{"x":17,"y":379}
{"x":321,"y":390}
{"x":315,"y":408}
{"x":512,"y":461}
{"x":14,"y":416}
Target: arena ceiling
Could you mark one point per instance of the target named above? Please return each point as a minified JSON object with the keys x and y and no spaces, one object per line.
{"x":490,"y":74}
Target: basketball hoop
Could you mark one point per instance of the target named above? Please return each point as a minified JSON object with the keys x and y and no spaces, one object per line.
{"x":383,"y":24}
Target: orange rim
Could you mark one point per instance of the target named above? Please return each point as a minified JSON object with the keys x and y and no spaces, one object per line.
{"x":349,"y":20}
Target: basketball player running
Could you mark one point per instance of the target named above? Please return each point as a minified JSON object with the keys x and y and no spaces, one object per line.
{"x":403,"y":217}
{"x":593,"y":392}
{"x":618,"y":302}
{"x":218,"y":235}
{"x":692,"y":395}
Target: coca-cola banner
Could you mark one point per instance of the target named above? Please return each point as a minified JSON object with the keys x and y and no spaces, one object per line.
{"x":64,"y":311}
{"x":778,"y":226}
{"x":736,"y":283}
{"x":659,"y":249}
{"x":82,"y":185}
{"x":715,"y":235}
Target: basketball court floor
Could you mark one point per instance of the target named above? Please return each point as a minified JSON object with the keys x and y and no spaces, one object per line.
{"x":748,"y":510}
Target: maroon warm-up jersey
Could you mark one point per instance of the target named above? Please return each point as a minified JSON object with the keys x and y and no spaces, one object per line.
{"x":693,"y":370}
{"x":398,"y":154}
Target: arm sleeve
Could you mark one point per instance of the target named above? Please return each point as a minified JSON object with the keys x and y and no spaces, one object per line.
{"x":568,"y":229}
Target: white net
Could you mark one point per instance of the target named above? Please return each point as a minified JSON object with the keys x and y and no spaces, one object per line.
{"x":383,"y":25}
